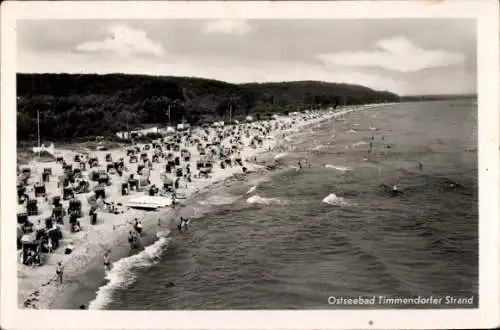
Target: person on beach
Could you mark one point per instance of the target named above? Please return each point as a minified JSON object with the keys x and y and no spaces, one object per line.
{"x":138,"y":226}
{"x":420,"y":166}
{"x":395,"y":190}
{"x":59,"y":272}
{"x":300,"y":165}
{"x":69,"y":248}
{"x":107,"y":264}
{"x":130,"y":237}
{"x":49,"y":245}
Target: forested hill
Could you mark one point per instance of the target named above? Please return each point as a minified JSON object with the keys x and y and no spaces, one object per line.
{"x":85,"y":105}
{"x":416,"y":98}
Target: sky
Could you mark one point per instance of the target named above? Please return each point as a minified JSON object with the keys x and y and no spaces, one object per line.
{"x":407,"y":57}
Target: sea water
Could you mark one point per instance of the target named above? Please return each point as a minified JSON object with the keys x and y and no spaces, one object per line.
{"x":290,"y":239}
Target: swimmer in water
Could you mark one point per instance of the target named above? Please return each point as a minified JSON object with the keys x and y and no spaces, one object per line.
{"x":182,"y":224}
{"x":395,"y":191}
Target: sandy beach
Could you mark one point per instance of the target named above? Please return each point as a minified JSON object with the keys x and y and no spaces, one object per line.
{"x":37,"y":286}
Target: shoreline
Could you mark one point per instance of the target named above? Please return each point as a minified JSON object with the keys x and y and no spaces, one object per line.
{"x":84,"y":272}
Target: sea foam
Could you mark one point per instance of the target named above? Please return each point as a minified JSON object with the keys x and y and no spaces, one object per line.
{"x":281,"y":155}
{"x":122,"y":271}
{"x":359,"y":143}
{"x":333,"y":199}
{"x":338,"y":168}
{"x":263,"y":201}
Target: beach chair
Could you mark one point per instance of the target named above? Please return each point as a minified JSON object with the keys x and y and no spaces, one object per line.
{"x":58,"y":214}
{"x":94,"y":176}
{"x":133,"y":159}
{"x":21,"y":194}
{"x":59,"y":160}
{"x":22,"y":217}
{"x":73,"y":222}
{"x":83,"y":166}
{"x":49,"y":223}
{"x":77,"y":159}
{"x":110,"y":167}
{"x":27,"y":227}
{"x":133,"y":184}
{"x":39,"y":189}
{"x":83,"y":187}
{"x":68,"y":193}
{"x":177,"y":161}
{"x":130,"y":152}
{"x":45,"y":177}
{"x":147,"y":147}
{"x":108,"y":158}
{"x":48,"y":170}
{"x":31,"y":252}
{"x":56,"y":200}
{"x":140,"y":167}
{"x":103,"y":178}
{"x":32,"y":207}
{"x":77,"y":173}
{"x":178,"y":172}
{"x":100,"y":191}
{"x":153,"y":190}
{"x":93,"y":162}
{"x":125,"y":188}
{"x":155,"y":159}
{"x":68,"y":170}
{"x":69,"y":178}
{"x":75,"y":207}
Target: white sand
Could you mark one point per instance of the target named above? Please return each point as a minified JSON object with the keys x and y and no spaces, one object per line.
{"x":38,"y":284}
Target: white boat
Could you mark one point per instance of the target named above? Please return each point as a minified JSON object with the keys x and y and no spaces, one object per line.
{"x":142,"y":206}
{"x":149,"y":202}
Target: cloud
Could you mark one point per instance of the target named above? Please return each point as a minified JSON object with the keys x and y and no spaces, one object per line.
{"x":124,"y":40}
{"x":231,"y":27}
{"x":396,"y":54}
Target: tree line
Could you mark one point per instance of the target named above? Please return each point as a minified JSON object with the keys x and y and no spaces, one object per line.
{"x":84,"y":105}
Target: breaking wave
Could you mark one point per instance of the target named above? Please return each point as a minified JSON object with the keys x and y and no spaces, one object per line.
{"x":333,"y":199}
{"x":251,"y":190}
{"x":263,"y":201}
{"x":279,"y":156}
{"x":359,"y":143}
{"x":338,"y":168}
{"x":122,"y":272}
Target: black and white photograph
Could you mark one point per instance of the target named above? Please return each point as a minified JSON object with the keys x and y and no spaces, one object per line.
{"x":250,"y":162}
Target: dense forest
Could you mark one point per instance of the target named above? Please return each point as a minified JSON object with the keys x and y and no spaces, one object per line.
{"x":74,"y":106}
{"x":417,"y":98}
